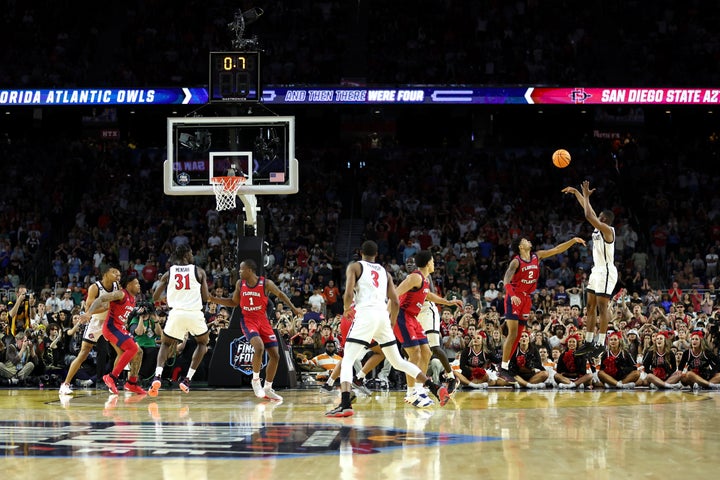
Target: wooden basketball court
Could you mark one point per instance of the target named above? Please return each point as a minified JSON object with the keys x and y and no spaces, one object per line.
{"x":500,"y":433}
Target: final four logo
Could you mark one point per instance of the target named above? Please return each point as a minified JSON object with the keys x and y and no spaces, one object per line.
{"x":241,"y":354}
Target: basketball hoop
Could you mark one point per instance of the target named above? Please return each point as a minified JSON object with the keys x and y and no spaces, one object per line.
{"x":226,"y":189}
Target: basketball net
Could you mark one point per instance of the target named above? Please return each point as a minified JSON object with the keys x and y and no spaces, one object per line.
{"x":226,"y":189}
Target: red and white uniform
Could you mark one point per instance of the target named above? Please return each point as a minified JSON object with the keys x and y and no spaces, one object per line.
{"x":522,"y":285}
{"x":253,"y":305}
{"x":408,"y":330}
{"x":114,"y":329}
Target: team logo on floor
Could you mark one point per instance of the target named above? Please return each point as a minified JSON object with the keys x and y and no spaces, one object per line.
{"x":208,"y":440}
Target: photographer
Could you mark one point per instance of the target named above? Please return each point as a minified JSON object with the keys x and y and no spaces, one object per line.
{"x":145,"y":324}
{"x":20,"y":360}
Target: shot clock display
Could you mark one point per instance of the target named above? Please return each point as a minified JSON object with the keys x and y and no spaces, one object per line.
{"x":234,"y":77}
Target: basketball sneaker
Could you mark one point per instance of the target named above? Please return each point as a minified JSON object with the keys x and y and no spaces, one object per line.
{"x":586,"y":348}
{"x":271,"y":395}
{"x":185,"y":385}
{"x":451,"y":384}
{"x":506,"y":375}
{"x":421,"y":400}
{"x":110,"y":382}
{"x":359,"y":386}
{"x":257,"y":387}
{"x":325,"y":388}
{"x":155,"y":386}
{"x":339,"y":412}
{"x":442,"y":395}
{"x":65,"y":389}
{"x":134,"y":388}
{"x":598,"y":350}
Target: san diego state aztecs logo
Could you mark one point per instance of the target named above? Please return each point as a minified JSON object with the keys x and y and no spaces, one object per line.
{"x":241,"y":354}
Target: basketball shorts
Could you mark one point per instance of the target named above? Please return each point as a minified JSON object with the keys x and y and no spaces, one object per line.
{"x":408,"y":331}
{"x":259,"y":328}
{"x":429,"y":319}
{"x":520,"y":312}
{"x":180,"y":322}
{"x":602,"y":280}
{"x":371,"y":323}
{"x":93,"y":330}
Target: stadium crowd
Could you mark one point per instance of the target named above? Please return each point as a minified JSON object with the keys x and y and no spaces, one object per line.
{"x":58,"y":247}
{"x":105,"y":206}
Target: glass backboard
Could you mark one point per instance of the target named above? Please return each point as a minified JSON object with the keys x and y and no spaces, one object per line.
{"x":262,"y":149}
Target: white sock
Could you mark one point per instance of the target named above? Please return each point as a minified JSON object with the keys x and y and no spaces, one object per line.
{"x":256,"y":375}
{"x":331,"y":381}
{"x":268,"y":385}
{"x":361,"y":375}
{"x":589,"y":336}
{"x":158,"y":371}
{"x":191,"y":372}
{"x":505,"y":365}
{"x":410,"y":390}
{"x":601,"y":338}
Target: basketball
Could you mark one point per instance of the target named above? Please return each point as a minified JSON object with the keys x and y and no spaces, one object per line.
{"x":561,"y":158}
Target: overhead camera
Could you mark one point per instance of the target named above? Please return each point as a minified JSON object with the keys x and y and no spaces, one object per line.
{"x":240,"y":21}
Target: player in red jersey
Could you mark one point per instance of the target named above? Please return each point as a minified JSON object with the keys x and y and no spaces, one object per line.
{"x":412,"y":293}
{"x":119,"y":304}
{"x":520,"y":282}
{"x":251,"y":295}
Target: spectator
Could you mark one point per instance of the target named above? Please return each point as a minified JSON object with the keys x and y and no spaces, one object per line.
{"x":20,"y":360}
{"x":331,"y":293}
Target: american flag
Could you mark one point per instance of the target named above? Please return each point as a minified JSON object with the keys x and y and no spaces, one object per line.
{"x":277,"y":177}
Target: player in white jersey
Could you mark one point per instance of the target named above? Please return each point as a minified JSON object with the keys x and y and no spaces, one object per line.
{"x":429,"y":318}
{"x":187,"y":290}
{"x":93,"y":331}
{"x":603,"y":275}
{"x":370,"y":287}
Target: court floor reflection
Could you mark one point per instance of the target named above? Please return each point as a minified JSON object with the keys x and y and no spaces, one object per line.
{"x":499,"y":433}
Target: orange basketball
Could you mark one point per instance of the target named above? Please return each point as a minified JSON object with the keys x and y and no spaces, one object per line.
{"x":561,"y":158}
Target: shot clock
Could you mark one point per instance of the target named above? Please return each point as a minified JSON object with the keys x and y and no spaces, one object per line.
{"x":234,"y":77}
